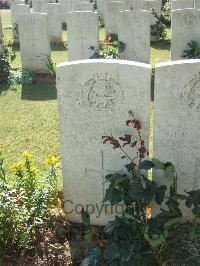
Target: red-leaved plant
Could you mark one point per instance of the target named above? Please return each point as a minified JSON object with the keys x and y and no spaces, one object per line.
{"x":135,"y":237}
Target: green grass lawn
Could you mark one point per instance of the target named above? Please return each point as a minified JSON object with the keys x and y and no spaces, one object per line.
{"x":29,"y":121}
{"x":29,"y":115}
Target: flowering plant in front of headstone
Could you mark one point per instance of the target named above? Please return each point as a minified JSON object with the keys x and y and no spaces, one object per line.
{"x":136,"y":237}
{"x":110,"y":48}
{"x":25,"y":201}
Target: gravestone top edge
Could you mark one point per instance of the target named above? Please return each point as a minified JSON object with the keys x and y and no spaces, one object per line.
{"x":135,"y":11}
{"x":78,"y":12}
{"x":185,"y":9}
{"x":54,"y":4}
{"x":105,"y":61}
{"x":178,"y":62}
{"x":36,"y":13}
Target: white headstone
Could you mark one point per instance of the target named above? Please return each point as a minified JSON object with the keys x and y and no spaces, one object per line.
{"x":177,"y":120}
{"x":17,"y":2}
{"x":112,"y":10}
{"x":151,"y":5}
{"x":83,"y":6}
{"x":185,"y":28}
{"x":181,"y":4}
{"x":34,"y":41}
{"x":16,"y":12}
{"x":101,"y":7}
{"x":83,"y":33}
{"x":67,"y":7}
{"x":134,"y":32}
{"x":197,"y":4}
{"x":94,"y":98}
{"x":135,"y":4}
{"x":40,"y":6}
{"x":55,"y":22}
{"x":148,"y":5}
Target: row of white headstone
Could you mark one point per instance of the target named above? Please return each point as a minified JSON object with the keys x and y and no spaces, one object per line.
{"x":94,"y":99}
{"x":83,"y":32}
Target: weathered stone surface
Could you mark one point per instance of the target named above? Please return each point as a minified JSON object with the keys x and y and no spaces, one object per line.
{"x":82,"y":6}
{"x":55,"y":22}
{"x":135,"y":4}
{"x":83,"y":33}
{"x":17,"y":2}
{"x":177,"y":120}
{"x":181,"y":4}
{"x":135,"y":37}
{"x":112,"y":10}
{"x":185,"y":28}
{"x":101,"y":7}
{"x":197,"y":4}
{"x":34,"y":41}
{"x":16,"y":12}
{"x":94,"y":98}
{"x":40,"y":6}
{"x":67,"y":7}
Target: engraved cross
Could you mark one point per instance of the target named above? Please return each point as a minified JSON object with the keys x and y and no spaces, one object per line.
{"x":103,"y":172}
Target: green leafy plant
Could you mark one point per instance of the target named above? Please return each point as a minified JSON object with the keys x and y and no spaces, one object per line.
{"x":50,"y":64}
{"x":184,"y":248}
{"x":166,"y":13}
{"x":136,"y":237}
{"x":7,"y":55}
{"x":20,"y":77}
{"x":25,"y":202}
{"x":94,"y":3}
{"x":158,"y":30}
{"x":192,"y":51}
{"x":109,"y":48}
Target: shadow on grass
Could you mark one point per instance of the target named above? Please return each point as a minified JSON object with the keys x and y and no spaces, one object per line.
{"x":39,"y":92}
{"x":161,"y":45}
{"x":3,"y":87}
{"x":16,"y":47}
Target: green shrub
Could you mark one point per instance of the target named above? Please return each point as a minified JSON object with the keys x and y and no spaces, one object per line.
{"x":136,"y":237}
{"x":25,"y":202}
{"x":166,"y":13}
{"x":184,"y":249}
{"x":158,"y":30}
{"x":192,"y":51}
{"x":6,"y":57}
{"x":20,"y":77}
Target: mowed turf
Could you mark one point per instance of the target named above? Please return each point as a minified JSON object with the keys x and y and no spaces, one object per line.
{"x":29,"y":115}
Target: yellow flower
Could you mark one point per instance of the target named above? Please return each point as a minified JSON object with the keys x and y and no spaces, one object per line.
{"x":33,"y":170}
{"x":2,"y":146}
{"x":17,"y":167}
{"x":148,"y":212}
{"x":26,"y":155}
{"x":51,"y":160}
